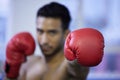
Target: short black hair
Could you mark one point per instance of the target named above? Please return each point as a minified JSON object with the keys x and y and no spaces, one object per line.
{"x":56,"y":10}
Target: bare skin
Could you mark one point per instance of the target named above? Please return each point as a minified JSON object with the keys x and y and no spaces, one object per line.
{"x":53,"y":66}
{"x":56,"y":69}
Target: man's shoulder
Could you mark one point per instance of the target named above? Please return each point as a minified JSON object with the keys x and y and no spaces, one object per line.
{"x":32,"y":61}
{"x":33,"y":65}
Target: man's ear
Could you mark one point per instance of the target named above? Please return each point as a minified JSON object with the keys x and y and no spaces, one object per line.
{"x":66,"y":32}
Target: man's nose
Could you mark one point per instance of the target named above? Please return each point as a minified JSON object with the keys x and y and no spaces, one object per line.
{"x":44,"y":39}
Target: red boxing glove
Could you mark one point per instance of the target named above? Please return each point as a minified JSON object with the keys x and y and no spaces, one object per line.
{"x":20,"y":46}
{"x":86,"y":45}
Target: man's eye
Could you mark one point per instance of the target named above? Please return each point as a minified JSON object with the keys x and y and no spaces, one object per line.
{"x":53,"y":32}
{"x":40,"y":32}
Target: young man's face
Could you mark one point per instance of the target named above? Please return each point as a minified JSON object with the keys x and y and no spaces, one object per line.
{"x":50,"y":35}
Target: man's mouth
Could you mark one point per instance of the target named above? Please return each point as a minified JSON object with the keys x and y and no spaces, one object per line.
{"x":45,"y":49}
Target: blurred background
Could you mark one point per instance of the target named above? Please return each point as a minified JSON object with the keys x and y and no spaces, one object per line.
{"x":103,"y":15}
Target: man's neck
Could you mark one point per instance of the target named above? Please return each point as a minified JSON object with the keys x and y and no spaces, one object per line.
{"x":55,"y":58}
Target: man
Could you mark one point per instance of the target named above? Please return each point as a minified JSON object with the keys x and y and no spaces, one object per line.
{"x":52,"y":26}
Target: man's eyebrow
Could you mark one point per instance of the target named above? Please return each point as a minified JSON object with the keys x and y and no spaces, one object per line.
{"x":52,"y":30}
{"x":40,"y":30}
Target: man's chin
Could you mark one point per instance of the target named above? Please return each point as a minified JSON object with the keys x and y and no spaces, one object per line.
{"x":46,"y":54}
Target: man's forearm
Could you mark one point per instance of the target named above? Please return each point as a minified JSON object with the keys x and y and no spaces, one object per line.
{"x":78,"y":71}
